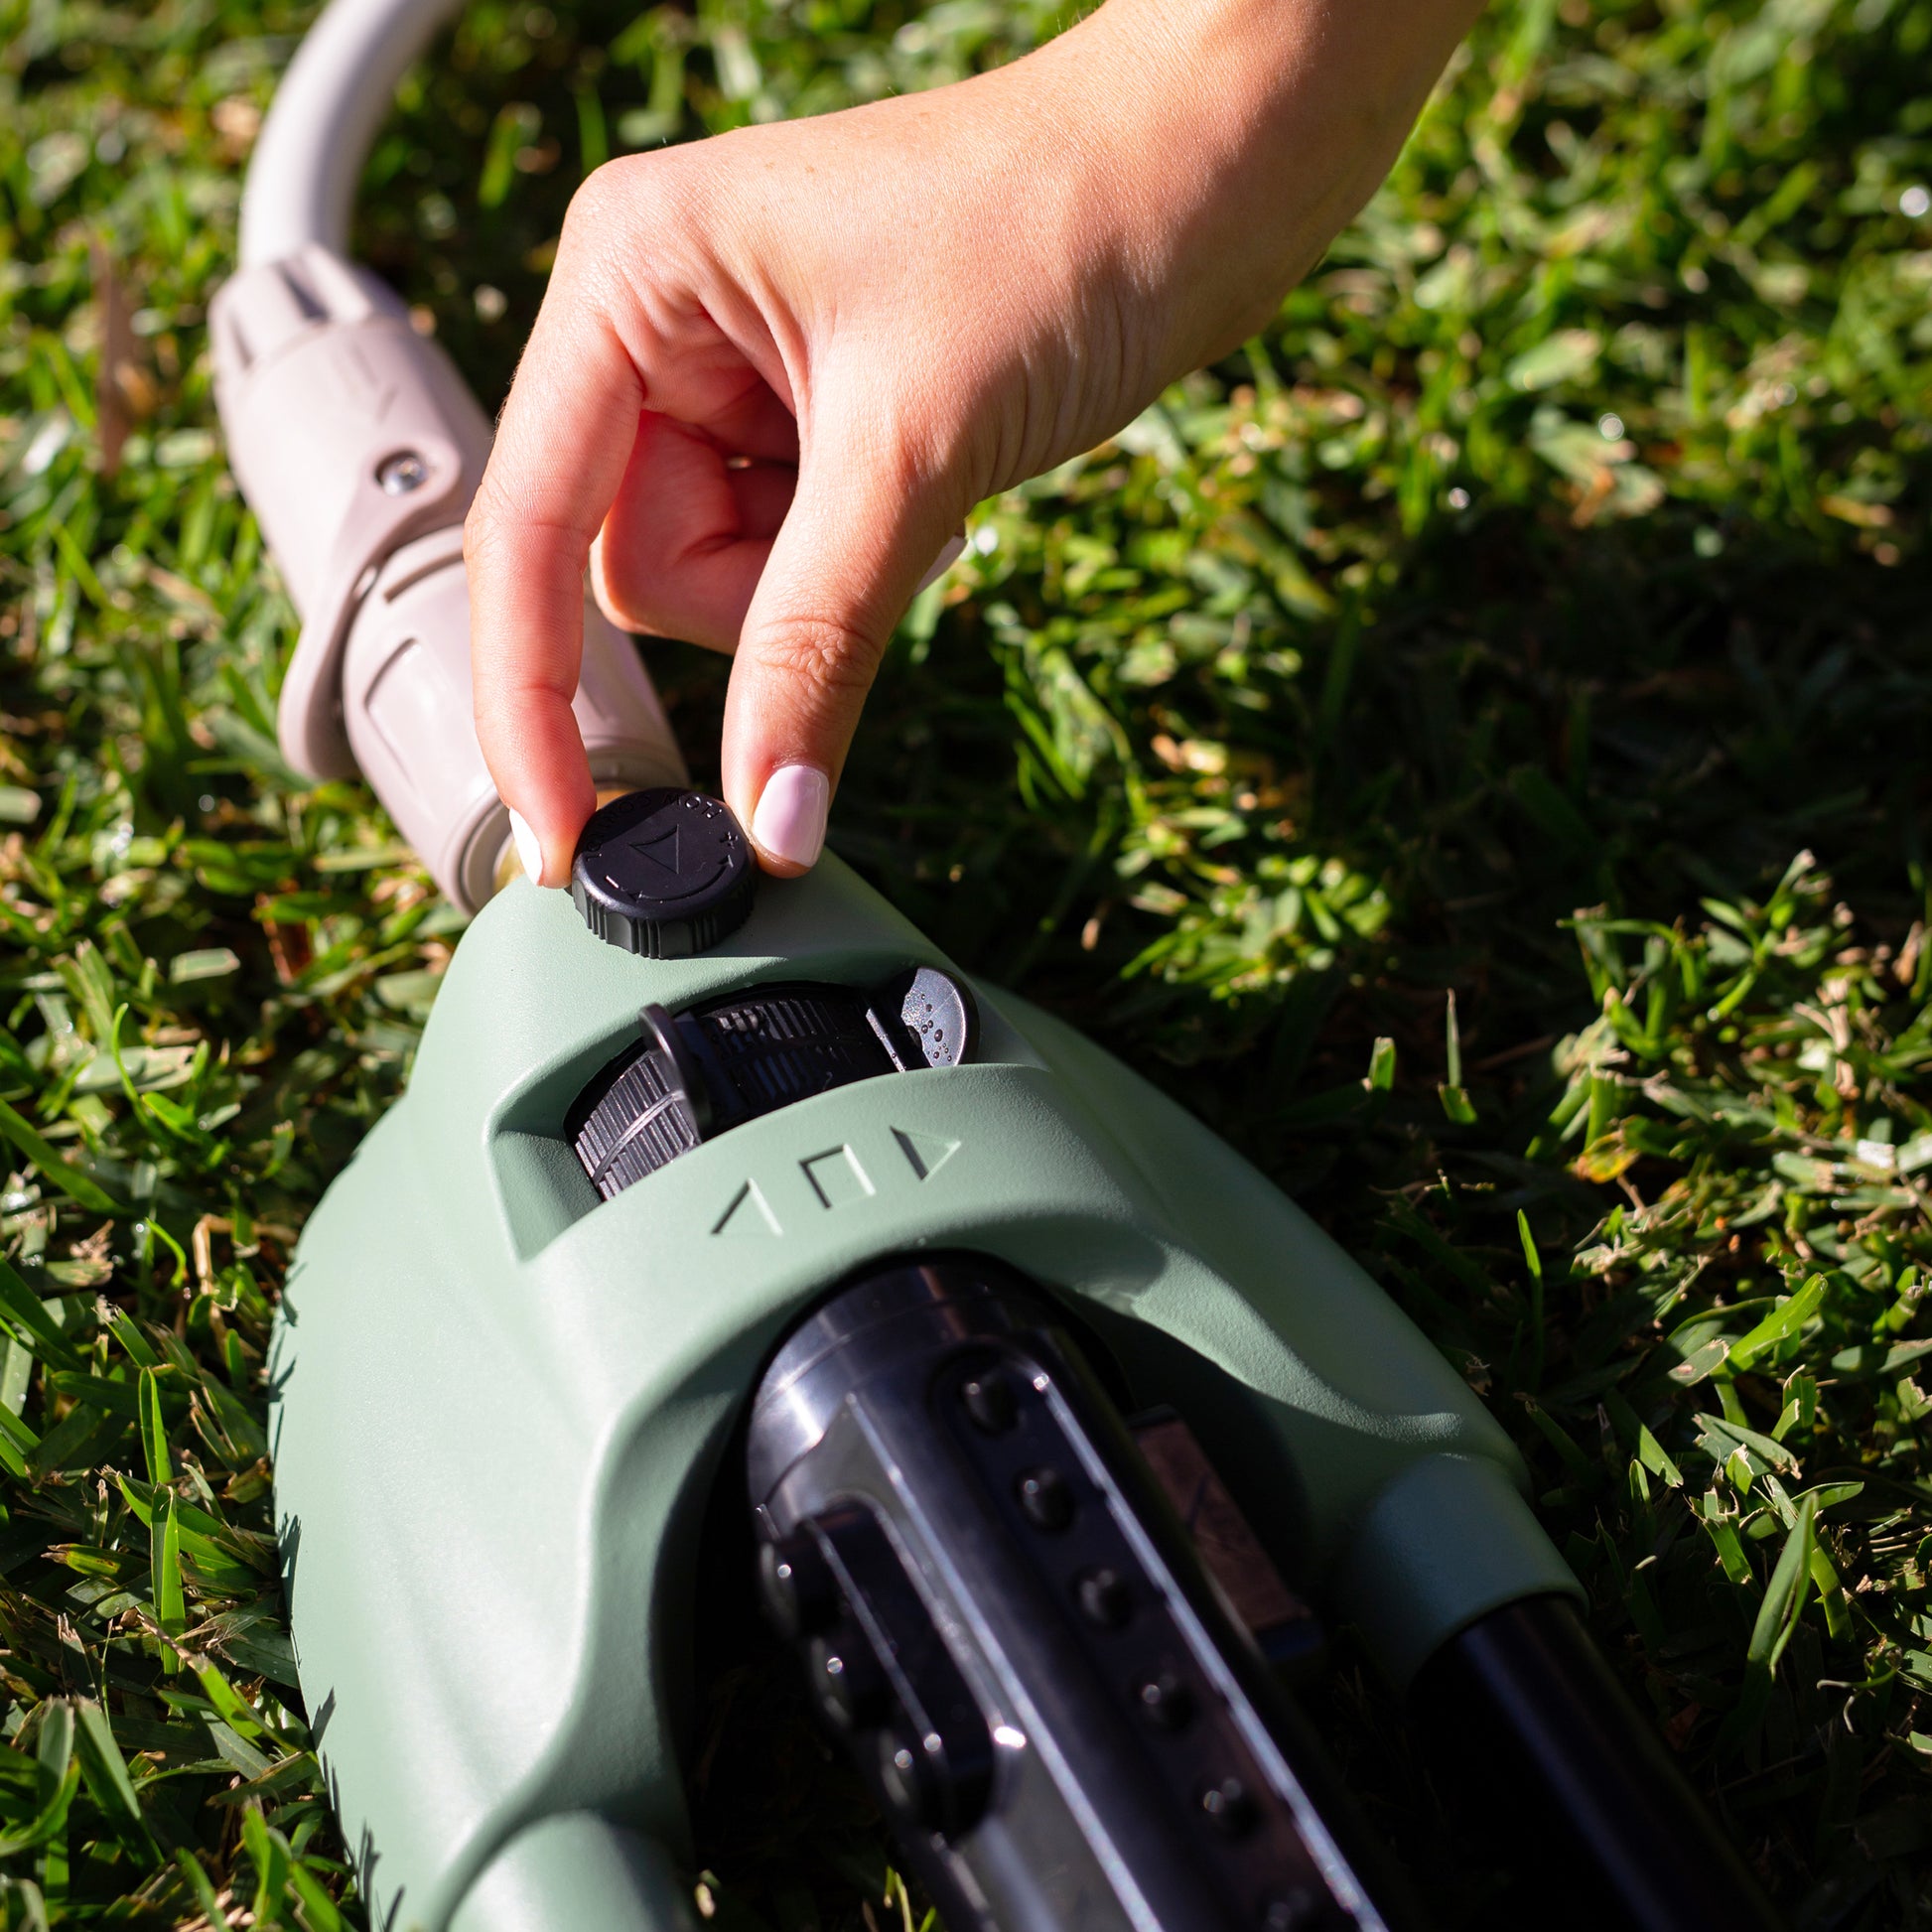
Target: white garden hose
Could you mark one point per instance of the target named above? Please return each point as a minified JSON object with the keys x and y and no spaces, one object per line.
{"x":359,"y":448}
{"x":335,"y":96}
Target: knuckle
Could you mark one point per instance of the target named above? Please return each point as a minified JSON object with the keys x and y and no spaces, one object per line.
{"x":605,"y":195}
{"x":608,"y":208}
{"x":634,"y":194}
{"x":511,"y":526}
{"x":831,"y":657}
{"x":628,"y":232}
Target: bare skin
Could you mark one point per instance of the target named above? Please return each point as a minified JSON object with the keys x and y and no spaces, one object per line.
{"x":773,"y":370}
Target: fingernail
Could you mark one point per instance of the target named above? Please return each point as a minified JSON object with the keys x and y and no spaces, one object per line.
{"x":528,"y":851}
{"x":950,"y":555}
{"x":789,"y":822}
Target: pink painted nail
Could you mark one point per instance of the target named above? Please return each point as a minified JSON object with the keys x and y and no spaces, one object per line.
{"x":789,"y":822}
{"x":529,"y":853}
{"x":950,"y":555}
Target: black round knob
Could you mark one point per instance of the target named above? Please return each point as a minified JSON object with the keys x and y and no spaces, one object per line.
{"x":664,"y":873}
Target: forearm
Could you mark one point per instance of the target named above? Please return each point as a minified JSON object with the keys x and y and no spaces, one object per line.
{"x":1233,"y":139}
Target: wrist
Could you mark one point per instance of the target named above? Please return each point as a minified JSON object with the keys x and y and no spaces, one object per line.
{"x":1230,"y":140}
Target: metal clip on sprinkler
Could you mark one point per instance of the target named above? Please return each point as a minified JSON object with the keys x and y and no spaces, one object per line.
{"x":716,"y":1200}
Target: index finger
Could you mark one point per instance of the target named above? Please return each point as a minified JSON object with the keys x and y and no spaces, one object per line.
{"x":561,"y":448}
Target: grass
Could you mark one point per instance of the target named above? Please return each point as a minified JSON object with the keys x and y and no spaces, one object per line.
{"x":1562,"y":546}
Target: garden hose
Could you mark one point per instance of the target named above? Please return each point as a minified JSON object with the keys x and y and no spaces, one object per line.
{"x":358,"y":447}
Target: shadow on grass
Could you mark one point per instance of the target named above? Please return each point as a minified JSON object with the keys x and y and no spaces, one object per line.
{"x":1542,"y":720}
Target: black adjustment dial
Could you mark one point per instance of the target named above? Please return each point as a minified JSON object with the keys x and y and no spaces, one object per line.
{"x":664,"y":873}
{"x":692,"y":1075}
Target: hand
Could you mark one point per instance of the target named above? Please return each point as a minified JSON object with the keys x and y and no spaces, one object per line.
{"x":774,"y":370}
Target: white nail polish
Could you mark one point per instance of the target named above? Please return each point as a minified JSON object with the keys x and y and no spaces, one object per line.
{"x":789,"y":822}
{"x":529,"y":853}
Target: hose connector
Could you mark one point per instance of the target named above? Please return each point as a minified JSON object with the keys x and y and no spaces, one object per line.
{"x":359,"y":448}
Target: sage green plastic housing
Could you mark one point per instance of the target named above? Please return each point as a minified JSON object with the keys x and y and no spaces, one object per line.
{"x":501,"y":1404}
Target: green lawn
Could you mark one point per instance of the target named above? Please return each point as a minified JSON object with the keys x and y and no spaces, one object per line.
{"x":1562,"y":546}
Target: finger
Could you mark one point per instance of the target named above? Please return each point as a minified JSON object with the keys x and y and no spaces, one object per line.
{"x":862,"y":527}
{"x":764,"y":491}
{"x":552,"y":473}
{"x":687,"y":536}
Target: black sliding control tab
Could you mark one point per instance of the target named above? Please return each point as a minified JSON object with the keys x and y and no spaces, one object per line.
{"x":881,"y":1674}
{"x":664,"y":873}
{"x":693,"y":1075}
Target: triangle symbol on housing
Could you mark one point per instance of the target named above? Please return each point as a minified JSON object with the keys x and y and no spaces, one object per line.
{"x":926,"y":1154}
{"x":749,"y":1213}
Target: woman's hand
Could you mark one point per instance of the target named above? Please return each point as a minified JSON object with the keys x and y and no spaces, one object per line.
{"x":774,"y":370}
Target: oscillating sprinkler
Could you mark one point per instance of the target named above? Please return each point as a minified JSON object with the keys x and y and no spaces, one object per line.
{"x":1060,"y":1432}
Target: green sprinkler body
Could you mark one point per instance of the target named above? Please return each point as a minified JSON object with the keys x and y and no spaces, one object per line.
{"x":505,"y":1404}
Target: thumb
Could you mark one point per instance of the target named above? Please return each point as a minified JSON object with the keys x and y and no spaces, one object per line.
{"x":862,"y":529}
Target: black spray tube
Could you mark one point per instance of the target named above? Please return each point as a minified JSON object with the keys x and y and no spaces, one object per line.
{"x":1596,"y":1810}
{"x":1001,"y":1614}
{"x":1066,"y":1717}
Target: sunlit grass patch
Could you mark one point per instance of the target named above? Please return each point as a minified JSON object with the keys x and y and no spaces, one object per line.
{"x":1560,"y":546}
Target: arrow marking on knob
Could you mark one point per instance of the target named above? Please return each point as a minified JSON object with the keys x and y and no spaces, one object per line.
{"x":661,"y":852}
